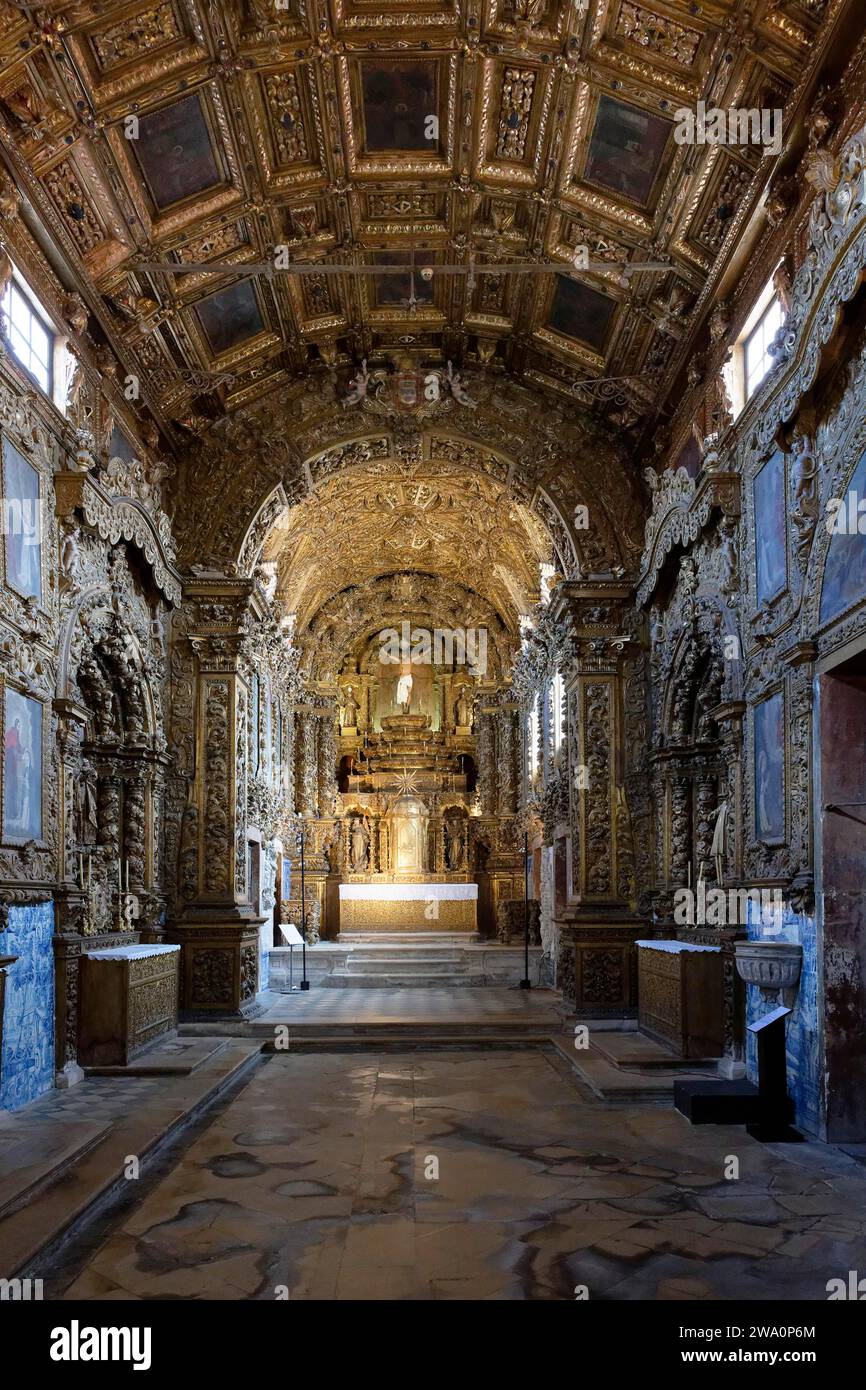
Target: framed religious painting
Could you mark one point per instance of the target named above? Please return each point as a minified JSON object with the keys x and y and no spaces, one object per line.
{"x":769,"y":765}
{"x":23,"y":765}
{"x":626,"y":148}
{"x":844,"y":583}
{"x":22,"y":523}
{"x":770,"y":521}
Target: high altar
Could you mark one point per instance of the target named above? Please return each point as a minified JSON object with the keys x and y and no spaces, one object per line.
{"x":405,"y":814}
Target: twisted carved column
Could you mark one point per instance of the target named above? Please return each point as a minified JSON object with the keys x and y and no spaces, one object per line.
{"x":680,"y":830}
{"x":506,"y":770}
{"x":485,"y":747}
{"x":306,"y":765}
{"x":134,"y":829}
{"x":706,"y":804}
{"x":326,"y":765}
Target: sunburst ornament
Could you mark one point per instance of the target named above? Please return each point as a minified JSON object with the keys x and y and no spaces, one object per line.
{"x":407,"y":783}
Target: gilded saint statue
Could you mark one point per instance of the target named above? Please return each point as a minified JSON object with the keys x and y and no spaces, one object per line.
{"x":359,"y":844}
{"x":85,"y":806}
{"x":350,"y":710}
{"x":462,"y":710}
{"x":454,"y":843}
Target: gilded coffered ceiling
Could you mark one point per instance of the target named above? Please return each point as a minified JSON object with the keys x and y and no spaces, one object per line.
{"x":463,"y":133}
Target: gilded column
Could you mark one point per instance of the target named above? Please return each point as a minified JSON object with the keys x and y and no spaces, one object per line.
{"x":485,"y":745}
{"x":326,"y":761}
{"x":506,"y":764}
{"x":306,"y":764}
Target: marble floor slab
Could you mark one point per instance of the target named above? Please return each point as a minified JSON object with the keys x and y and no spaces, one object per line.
{"x":493,"y":1004}
{"x":474,"y":1175}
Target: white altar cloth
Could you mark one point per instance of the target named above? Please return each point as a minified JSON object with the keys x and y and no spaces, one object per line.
{"x":134,"y":952}
{"x":676,"y":947}
{"x":408,"y":892}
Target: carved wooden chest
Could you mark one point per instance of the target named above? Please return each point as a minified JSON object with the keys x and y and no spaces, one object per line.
{"x":128,"y":997}
{"x":681,"y":996}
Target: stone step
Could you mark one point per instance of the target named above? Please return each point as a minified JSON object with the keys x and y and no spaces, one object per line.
{"x":406,"y":938}
{"x":510,"y":1027}
{"x":39,"y":1157}
{"x":399,"y":966}
{"x":73,"y":1171}
{"x":610,"y":1082}
{"x":419,"y":1041}
{"x":407,"y":954}
{"x":637,"y":1052}
{"x":442,"y":979}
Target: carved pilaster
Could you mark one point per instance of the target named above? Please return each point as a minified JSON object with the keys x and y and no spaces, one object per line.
{"x":602,"y":850}
{"x":217,"y":922}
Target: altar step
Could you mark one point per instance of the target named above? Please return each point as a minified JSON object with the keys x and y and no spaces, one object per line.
{"x":632,"y":1068}
{"x":438,"y":961}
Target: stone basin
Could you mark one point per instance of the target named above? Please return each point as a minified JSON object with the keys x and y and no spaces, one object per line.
{"x":773,"y":966}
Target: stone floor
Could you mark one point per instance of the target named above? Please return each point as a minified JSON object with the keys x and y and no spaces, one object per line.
{"x":422,"y":1013}
{"x":496,"y":1003}
{"x":471,"y":1175}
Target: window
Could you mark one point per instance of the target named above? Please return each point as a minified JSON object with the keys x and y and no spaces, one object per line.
{"x":30,"y":339}
{"x":533,"y":741}
{"x":558,"y":710}
{"x":547,"y":573}
{"x":757,"y":346}
{"x":750,"y":359}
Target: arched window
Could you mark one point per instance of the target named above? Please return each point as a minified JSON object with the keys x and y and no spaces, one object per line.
{"x":533,"y":739}
{"x":558,"y":707}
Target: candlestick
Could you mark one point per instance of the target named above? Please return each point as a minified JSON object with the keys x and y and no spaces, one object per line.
{"x":127,"y":875}
{"x":89,"y":868}
{"x":81,"y":870}
{"x":119,"y":879}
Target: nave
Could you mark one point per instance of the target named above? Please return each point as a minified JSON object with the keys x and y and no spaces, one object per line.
{"x":454,"y":1175}
{"x":432,"y":656}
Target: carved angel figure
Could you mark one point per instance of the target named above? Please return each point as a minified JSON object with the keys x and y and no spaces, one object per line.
{"x":457,"y":389}
{"x":85,"y":455}
{"x":357,"y":386}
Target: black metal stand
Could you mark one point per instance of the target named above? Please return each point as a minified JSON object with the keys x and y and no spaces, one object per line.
{"x":766,"y":1110}
{"x":775,"y":1106}
{"x":305,"y":984}
{"x":525,"y":983}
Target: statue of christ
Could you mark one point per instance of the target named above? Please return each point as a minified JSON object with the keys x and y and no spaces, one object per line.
{"x":404,"y":693}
